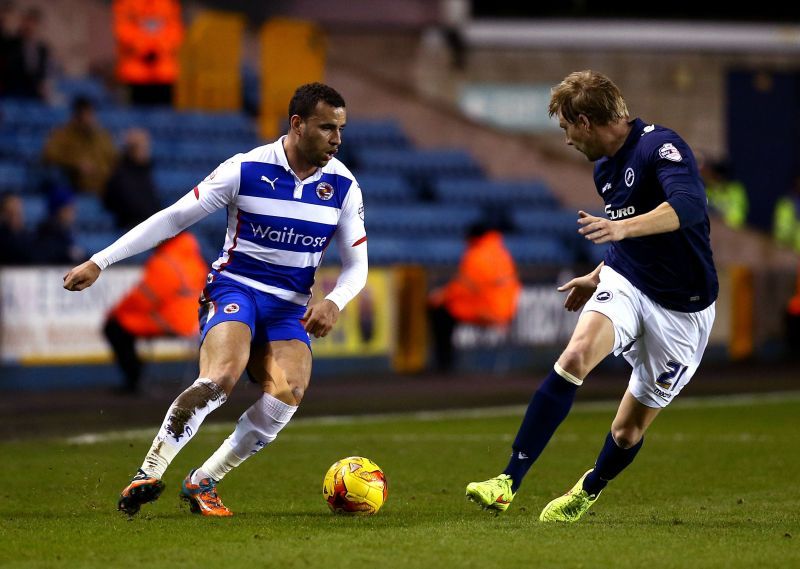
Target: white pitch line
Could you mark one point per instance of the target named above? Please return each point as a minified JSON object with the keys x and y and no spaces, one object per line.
{"x":737,"y":400}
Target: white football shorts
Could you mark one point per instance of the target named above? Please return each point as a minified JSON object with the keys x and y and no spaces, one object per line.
{"x":663,"y":346}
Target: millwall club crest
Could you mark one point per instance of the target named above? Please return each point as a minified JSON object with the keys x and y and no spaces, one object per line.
{"x":324,"y":191}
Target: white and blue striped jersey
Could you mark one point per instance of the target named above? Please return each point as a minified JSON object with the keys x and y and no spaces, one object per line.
{"x":278,"y":225}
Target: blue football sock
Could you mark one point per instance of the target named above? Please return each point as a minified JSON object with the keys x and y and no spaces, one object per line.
{"x":548,"y":408}
{"x":610,"y":462}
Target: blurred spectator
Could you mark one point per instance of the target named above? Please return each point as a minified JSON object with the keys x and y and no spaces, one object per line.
{"x":55,"y":236}
{"x":6,"y":43}
{"x":82,"y":148}
{"x":484,"y":292}
{"x":131,"y":193}
{"x":786,"y":219}
{"x":28,"y":60}
{"x":15,"y":239}
{"x":727,"y":197}
{"x":163,"y":303}
{"x":149,"y":34}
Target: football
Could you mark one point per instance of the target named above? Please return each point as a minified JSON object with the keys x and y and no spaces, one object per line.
{"x":354,"y":486}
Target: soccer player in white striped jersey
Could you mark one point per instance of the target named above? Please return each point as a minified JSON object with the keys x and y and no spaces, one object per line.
{"x":285,"y":201}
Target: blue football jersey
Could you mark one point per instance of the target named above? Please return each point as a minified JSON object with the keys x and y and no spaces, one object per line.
{"x":675,"y":269}
{"x":279,"y":227}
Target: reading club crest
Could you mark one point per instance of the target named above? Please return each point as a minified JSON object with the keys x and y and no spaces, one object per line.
{"x":324,"y":191}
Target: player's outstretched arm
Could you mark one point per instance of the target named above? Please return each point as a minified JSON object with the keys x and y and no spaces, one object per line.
{"x":82,"y":276}
{"x":580,"y":289}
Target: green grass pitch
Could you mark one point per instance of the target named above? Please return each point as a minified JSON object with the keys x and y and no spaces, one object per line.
{"x":716,"y":485}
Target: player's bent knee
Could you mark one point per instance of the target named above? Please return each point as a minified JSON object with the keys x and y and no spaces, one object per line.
{"x":225,"y":379}
{"x":574,"y":361}
{"x":626,"y":437}
{"x":297,"y":394}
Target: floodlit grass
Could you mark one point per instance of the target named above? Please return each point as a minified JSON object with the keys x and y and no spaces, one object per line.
{"x":714,"y":486}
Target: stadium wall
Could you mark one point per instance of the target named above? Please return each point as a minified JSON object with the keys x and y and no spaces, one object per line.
{"x":52,"y":338}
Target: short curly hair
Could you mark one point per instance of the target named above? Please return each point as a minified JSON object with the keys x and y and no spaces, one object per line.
{"x":306,"y":97}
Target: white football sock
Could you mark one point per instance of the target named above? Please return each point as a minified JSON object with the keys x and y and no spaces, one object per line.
{"x":256,"y":428}
{"x":182,"y":421}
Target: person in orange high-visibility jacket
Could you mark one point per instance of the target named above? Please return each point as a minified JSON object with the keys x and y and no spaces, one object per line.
{"x":484,"y":292}
{"x":149,"y":34}
{"x":162,"y":304}
{"x":793,"y":322}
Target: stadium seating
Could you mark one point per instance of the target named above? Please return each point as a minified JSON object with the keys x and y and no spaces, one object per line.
{"x":422,"y":219}
{"x":90,"y":215}
{"x":35,"y":208}
{"x":391,"y":250}
{"x":23,"y":146}
{"x":380,"y":133}
{"x":529,"y":250}
{"x":13,"y":177}
{"x":494,"y":192}
{"x":385,"y":189}
{"x":555,"y":222}
{"x":420,"y":202}
{"x":173,"y":183}
{"x":422,"y":168}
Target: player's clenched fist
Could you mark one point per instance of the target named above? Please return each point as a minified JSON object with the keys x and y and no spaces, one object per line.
{"x":82,"y":276}
{"x":320,"y":318}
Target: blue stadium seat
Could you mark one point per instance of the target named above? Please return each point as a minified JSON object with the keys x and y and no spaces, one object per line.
{"x":362,"y":134}
{"x":116,"y":119}
{"x":213,"y":226}
{"x":172,"y":183}
{"x":94,"y":89}
{"x":94,"y":241}
{"x":90,"y":214}
{"x":22,"y":146}
{"x":420,"y":167}
{"x":13,"y":177}
{"x":492,"y":192}
{"x":535,"y":221}
{"x":35,"y":208}
{"x":421,"y":219}
{"x":386,"y":189}
{"x":374,"y":133}
{"x":529,"y":250}
{"x":31,"y":116}
{"x":393,"y":250}
{"x":186,"y":154}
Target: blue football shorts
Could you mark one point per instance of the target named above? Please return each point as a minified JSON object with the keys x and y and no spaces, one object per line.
{"x":269,"y":318}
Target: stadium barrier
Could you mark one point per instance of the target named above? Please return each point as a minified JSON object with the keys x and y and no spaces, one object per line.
{"x":44,"y":327}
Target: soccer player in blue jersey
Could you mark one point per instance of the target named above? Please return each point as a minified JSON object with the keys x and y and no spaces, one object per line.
{"x":651,"y":299}
{"x":284,"y":201}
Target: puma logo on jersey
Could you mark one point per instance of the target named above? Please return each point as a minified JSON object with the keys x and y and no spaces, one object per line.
{"x":270,"y":182}
{"x":605,"y":188}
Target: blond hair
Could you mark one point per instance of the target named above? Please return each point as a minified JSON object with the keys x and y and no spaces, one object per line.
{"x":588,"y":93}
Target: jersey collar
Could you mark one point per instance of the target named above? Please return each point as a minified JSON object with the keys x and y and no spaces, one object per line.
{"x":280,"y":155}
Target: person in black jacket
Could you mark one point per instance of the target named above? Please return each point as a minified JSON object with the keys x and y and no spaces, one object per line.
{"x":15,"y":239}
{"x":55,"y":236}
{"x":28,"y":60}
{"x":130,"y":194}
